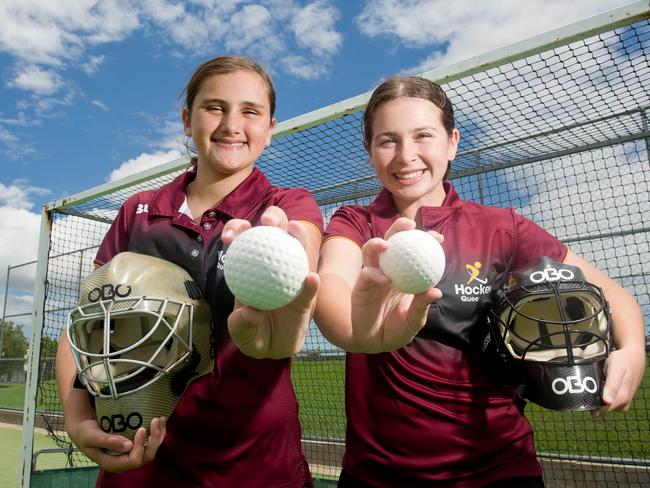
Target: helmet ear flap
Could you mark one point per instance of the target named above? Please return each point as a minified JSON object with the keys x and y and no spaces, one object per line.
{"x":553,"y":328}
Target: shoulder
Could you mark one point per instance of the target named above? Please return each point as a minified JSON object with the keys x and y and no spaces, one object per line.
{"x":351,"y":222}
{"x":353,"y":213}
{"x":489,"y":216}
{"x":138,"y":203}
{"x":145,"y":196}
{"x":474,"y":208}
{"x":282,"y":194}
{"x":297,"y":203}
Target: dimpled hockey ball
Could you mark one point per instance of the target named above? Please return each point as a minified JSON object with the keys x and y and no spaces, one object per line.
{"x":414,"y":261}
{"x":265,"y":267}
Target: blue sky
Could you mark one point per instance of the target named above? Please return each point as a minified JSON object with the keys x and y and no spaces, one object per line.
{"x":89,"y":89}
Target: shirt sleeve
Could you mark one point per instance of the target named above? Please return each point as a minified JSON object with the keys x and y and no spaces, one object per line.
{"x":351,"y":222}
{"x":299,"y":204}
{"x":116,"y":239}
{"x":532,"y":242}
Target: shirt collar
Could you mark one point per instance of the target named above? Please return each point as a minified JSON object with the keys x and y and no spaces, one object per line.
{"x":238,"y":203}
{"x":383,"y":211}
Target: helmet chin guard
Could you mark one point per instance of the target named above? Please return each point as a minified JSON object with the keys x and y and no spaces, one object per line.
{"x":553,"y":328}
{"x":139,"y":335}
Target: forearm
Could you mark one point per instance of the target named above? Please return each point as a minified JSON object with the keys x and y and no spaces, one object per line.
{"x":626,"y":363}
{"x":75,"y":402}
{"x":627,"y":320}
{"x":333,"y":311}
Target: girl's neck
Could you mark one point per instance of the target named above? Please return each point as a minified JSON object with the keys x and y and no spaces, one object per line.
{"x":410,"y":208}
{"x":209,"y":189}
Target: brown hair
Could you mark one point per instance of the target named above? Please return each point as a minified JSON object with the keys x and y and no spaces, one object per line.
{"x":223,"y":65}
{"x":409,"y":87}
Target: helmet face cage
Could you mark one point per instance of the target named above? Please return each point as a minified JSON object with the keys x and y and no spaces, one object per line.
{"x":124,"y":344}
{"x":554,"y":327}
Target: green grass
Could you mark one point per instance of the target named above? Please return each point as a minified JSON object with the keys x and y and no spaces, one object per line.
{"x":10,"y":467}
{"x":13,"y":396}
{"x":617,"y":434}
{"x":319,"y":386}
{"x":320,"y":389}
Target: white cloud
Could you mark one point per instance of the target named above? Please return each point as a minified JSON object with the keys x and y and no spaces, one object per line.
{"x":314,"y":29}
{"x":45,"y":33}
{"x":19,"y":195}
{"x":49,"y":39}
{"x":19,"y":120}
{"x":91,"y":66}
{"x":20,"y":303}
{"x":142,"y":162}
{"x":7,"y":137}
{"x":301,"y":67}
{"x":190,"y":32}
{"x":100,"y":104}
{"x":50,"y":107}
{"x":162,"y":11}
{"x":463,"y":28}
{"x":253,"y":26}
{"x":40,"y":81}
{"x":12,"y":147}
{"x":19,"y":228}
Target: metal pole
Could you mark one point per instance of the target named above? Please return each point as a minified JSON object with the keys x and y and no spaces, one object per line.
{"x":34,"y":355}
{"x":4,"y":310}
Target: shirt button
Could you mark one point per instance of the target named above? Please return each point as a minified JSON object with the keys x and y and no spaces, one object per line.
{"x":199,"y":238}
{"x":207,"y":226}
{"x":212,"y":214}
{"x":195,"y":253}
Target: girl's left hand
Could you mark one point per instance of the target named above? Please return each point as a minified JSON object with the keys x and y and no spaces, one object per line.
{"x":278,"y":333}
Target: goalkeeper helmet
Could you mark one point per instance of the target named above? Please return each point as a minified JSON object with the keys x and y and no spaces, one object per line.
{"x":553,"y":328}
{"x":139,"y":335}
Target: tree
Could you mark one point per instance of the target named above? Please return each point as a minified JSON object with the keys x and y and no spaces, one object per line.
{"x":14,"y":343}
{"x":48,"y":347}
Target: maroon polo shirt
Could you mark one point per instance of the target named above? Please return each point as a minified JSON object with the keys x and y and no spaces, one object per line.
{"x":238,"y":426}
{"x":428,"y":412}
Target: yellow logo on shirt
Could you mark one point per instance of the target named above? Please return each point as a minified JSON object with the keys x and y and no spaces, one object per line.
{"x":474,"y":270}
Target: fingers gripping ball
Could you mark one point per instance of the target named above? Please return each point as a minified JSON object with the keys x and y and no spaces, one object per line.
{"x":265,"y":267}
{"x":414,"y":261}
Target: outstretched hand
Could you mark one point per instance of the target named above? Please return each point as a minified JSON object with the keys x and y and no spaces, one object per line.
{"x":384,"y":319}
{"x":278,"y":333}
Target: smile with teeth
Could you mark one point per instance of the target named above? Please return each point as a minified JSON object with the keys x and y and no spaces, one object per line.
{"x":229,"y":144}
{"x":411,"y":175}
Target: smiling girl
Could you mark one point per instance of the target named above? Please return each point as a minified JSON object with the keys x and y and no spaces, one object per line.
{"x":421,"y":409}
{"x":239,"y":425}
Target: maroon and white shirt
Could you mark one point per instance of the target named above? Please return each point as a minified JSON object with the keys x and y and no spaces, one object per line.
{"x":239,"y":425}
{"x":428,"y":412}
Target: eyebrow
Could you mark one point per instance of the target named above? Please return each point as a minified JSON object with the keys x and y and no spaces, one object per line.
{"x":427,"y":127}
{"x":219,"y":101}
{"x":417,"y":129}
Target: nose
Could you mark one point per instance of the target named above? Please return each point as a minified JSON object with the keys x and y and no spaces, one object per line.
{"x":231,"y":123}
{"x":406,"y":151}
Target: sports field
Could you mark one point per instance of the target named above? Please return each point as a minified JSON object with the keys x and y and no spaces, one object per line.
{"x":320,"y":389}
{"x":11,"y":441}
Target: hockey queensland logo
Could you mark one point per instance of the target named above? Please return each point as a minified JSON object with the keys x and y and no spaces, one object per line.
{"x":476,"y":285}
